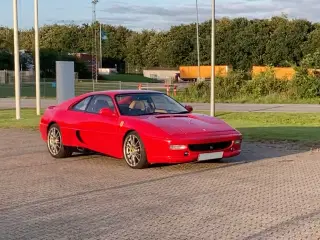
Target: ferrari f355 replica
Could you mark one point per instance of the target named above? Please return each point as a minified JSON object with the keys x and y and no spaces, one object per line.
{"x":140,"y":126}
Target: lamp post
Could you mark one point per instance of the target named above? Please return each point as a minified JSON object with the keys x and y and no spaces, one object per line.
{"x":212,"y":98}
{"x":16,"y":58}
{"x":94,"y":19}
{"x":198,"y":43}
{"x":94,"y":55}
{"x":100,"y":46}
{"x":37,"y":55}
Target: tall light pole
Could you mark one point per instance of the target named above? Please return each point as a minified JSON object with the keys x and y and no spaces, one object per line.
{"x":198,"y":43}
{"x":16,"y":58}
{"x":37,"y":55}
{"x":100,"y":46}
{"x":94,"y":3}
{"x":212,"y":99}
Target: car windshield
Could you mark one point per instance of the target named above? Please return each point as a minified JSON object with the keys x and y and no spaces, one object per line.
{"x":137,"y":104}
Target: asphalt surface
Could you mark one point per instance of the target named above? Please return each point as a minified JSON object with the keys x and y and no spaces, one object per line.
{"x":7,"y":103}
{"x":269,"y":192}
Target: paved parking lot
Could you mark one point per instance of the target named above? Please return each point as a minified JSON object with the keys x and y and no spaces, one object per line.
{"x":269,"y":192}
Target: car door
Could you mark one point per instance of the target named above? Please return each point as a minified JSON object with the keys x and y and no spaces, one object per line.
{"x":74,"y":123}
{"x":101,"y":131}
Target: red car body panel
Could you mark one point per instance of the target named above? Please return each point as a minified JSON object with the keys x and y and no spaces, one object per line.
{"x":106,"y":134}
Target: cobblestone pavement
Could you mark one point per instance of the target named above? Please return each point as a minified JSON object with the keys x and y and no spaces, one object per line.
{"x":269,"y":192}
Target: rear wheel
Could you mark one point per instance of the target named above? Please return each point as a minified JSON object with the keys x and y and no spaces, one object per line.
{"x":54,"y":143}
{"x":134,"y":151}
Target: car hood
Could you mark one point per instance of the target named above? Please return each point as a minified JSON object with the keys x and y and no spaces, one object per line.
{"x":188,"y":124}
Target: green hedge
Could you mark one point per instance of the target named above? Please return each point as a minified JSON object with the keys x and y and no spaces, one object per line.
{"x":236,"y":87}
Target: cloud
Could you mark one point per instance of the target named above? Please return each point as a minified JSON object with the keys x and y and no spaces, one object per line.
{"x":156,"y":17}
{"x":264,"y":9}
{"x":159,"y":17}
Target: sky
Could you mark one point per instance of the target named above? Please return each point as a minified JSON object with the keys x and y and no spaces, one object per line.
{"x":152,"y":14}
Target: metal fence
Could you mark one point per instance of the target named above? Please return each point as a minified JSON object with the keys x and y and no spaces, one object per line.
{"x":7,"y":77}
{"x":48,"y":89}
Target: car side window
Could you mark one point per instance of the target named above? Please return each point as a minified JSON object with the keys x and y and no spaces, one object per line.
{"x":99,"y":102}
{"x":82,"y":105}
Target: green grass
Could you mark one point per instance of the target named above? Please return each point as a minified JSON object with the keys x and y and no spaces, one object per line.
{"x":127,"y":78}
{"x":301,"y":127}
{"x":28,"y":120}
{"x":291,"y":127}
{"x":271,"y":99}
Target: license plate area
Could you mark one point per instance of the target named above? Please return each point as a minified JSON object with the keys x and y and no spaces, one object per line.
{"x":210,"y":156}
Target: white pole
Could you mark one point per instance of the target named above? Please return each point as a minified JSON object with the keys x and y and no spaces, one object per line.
{"x":95,"y":41}
{"x":100,"y":45}
{"x":94,"y":57}
{"x":212,"y":99}
{"x":198,"y":43}
{"x":37,"y":55}
{"x":16,"y":58}
{"x":94,"y":17}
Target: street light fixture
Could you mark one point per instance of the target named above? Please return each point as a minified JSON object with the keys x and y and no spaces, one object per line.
{"x":212,"y":99}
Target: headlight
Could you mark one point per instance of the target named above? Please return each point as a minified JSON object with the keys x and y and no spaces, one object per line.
{"x":178,"y":147}
{"x":237,"y":141}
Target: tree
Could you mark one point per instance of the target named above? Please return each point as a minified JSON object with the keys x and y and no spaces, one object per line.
{"x":312,"y":60}
{"x":240,"y":42}
{"x":285,"y":44}
{"x":312,"y":43}
{"x":136,"y":45}
{"x":116,"y":44}
{"x":251,"y":45}
{"x":6,"y":39}
{"x":153,"y":50}
{"x":6,"y":60}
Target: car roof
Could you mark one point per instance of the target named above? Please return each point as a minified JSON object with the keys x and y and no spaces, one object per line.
{"x":66,"y":104}
{"x":112,"y":93}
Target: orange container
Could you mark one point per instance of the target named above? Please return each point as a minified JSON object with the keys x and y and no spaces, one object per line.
{"x":191,"y":72}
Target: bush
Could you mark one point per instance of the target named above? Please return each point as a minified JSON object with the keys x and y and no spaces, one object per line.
{"x":230,"y":86}
{"x":196,"y":92}
{"x":304,"y":85}
{"x":265,"y":84}
{"x":262,"y":88}
{"x":225,"y":88}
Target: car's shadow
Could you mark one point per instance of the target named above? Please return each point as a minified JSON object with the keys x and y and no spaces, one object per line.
{"x":301,"y":139}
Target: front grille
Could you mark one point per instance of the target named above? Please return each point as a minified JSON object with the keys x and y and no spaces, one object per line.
{"x":209,"y":146}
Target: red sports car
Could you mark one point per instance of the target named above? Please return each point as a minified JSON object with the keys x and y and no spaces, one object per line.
{"x":143,"y":127}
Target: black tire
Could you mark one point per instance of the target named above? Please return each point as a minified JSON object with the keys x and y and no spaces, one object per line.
{"x":134,"y":161}
{"x":57,"y":149}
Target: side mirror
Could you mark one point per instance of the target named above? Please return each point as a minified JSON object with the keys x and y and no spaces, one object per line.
{"x":107,"y":112}
{"x":189,"y":108}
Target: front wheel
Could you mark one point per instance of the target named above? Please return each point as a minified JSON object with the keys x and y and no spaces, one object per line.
{"x":134,"y":152}
{"x":54,"y":143}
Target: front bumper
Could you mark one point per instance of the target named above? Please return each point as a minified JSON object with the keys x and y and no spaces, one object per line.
{"x":163,"y":153}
